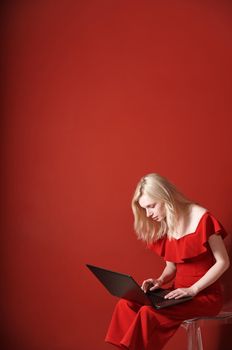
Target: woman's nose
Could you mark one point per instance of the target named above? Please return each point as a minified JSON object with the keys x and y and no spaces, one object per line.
{"x":148,"y":213}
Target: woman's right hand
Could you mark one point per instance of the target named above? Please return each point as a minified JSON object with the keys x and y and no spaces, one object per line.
{"x":151,"y":284}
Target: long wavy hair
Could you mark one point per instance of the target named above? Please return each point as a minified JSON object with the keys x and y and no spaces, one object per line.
{"x":159,"y":189}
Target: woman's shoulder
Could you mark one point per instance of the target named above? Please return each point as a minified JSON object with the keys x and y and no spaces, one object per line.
{"x":205,"y":223}
{"x":196,"y":213}
{"x":191,"y":220}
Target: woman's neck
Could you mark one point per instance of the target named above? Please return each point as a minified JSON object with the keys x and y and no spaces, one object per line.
{"x":183,"y":218}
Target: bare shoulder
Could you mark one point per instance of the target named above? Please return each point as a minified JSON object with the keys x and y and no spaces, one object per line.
{"x":188,"y":223}
{"x":196,"y":213}
{"x":197,"y":210}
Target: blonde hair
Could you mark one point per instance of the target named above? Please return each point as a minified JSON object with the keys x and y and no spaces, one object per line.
{"x":159,"y":189}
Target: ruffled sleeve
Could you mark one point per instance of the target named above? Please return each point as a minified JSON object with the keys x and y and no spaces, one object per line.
{"x":191,"y":245}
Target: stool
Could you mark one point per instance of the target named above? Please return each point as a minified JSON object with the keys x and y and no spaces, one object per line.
{"x":193,"y":328}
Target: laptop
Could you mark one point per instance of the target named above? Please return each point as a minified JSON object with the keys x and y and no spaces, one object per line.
{"x":124,"y":286}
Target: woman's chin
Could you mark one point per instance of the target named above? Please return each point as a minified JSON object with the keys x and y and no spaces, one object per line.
{"x":159,"y":219}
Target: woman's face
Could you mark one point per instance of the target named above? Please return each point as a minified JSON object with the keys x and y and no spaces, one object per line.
{"x":154,"y":209}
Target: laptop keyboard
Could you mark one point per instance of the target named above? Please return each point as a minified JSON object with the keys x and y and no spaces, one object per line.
{"x":159,"y":292}
{"x":157,"y":297}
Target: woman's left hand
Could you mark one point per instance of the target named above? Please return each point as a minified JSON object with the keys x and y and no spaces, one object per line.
{"x":181,"y":292}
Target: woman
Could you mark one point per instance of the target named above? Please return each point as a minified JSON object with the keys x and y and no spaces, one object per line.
{"x":190,"y":239}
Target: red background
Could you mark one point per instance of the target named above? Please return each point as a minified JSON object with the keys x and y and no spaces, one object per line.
{"x":95,"y":95}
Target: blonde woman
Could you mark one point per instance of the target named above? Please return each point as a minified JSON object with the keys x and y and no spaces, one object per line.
{"x":190,"y":240}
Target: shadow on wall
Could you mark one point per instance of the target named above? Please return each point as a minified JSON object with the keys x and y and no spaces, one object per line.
{"x":225,"y":338}
{"x":226,"y":278}
{"x":216,"y":335}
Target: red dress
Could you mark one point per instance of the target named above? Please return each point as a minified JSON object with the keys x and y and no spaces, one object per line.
{"x":134,"y":326}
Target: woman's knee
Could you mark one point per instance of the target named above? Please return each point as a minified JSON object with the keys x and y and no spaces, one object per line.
{"x":145,"y":309}
{"x":124,"y":304}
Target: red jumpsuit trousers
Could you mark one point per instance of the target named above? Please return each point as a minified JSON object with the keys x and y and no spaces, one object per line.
{"x":137,"y":327}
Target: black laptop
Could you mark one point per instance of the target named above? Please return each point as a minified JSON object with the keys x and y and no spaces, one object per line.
{"x":124,"y":286}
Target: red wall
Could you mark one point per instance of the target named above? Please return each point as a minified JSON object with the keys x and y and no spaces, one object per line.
{"x":97,"y":94}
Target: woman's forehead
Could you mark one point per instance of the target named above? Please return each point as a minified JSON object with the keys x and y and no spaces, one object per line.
{"x":145,"y":201}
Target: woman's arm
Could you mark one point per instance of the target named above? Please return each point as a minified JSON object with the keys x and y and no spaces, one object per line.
{"x":221,"y":264}
{"x":167,"y":275}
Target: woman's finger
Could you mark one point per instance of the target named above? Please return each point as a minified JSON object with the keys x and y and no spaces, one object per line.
{"x":172,"y":294}
{"x":146,"y":284}
{"x":177,"y":294}
{"x":156,"y":285}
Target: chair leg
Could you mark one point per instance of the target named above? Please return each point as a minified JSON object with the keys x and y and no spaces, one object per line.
{"x":194,"y":336}
{"x":199,"y":339}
